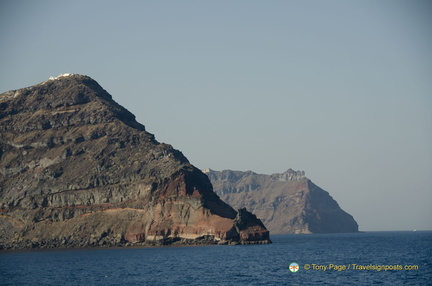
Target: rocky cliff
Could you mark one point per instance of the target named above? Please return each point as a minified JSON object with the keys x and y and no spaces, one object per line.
{"x":77,"y":170}
{"x":286,"y":203}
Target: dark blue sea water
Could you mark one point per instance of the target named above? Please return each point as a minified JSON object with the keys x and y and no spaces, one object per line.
{"x":232,"y":265}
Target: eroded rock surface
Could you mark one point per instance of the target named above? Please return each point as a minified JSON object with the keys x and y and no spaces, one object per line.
{"x":77,"y":170}
{"x":286,"y":203}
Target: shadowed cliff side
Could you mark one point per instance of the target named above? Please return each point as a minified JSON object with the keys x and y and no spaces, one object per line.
{"x":286,"y":203}
{"x":76,"y":170}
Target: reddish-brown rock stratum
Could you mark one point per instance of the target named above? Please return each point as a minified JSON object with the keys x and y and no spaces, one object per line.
{"x":77,"y":170}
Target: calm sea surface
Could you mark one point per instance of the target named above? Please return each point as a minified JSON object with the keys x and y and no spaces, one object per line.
{"x":234,"y":265}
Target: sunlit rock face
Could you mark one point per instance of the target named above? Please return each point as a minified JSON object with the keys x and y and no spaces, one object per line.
{"x":77,"y":169}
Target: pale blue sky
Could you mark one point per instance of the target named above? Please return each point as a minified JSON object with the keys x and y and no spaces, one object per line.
{"x":339,"y":89}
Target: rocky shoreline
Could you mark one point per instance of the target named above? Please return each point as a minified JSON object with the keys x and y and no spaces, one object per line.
{"x":64,"y":243}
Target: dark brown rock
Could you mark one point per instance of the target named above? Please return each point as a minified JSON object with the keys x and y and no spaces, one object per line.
{"x":286,"y":203}
{"x":77,"y":170}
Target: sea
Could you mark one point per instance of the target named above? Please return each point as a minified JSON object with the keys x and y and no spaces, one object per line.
{"x":366,"y":258}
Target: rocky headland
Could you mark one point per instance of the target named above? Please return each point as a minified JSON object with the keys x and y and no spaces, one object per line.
{"x":287,"y":203}
{"x":77,"y":170}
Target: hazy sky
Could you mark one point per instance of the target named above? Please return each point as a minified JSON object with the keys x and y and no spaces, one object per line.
{"x":339,"y":89}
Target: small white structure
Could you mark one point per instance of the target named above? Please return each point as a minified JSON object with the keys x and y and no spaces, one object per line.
{"x":62,"y":75}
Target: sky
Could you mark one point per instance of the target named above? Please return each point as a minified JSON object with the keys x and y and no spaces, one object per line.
{"x":339,"y":89}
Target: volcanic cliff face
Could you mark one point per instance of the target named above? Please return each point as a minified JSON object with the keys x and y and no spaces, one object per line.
{"x":76,"y":169}
{"x":286,"y":202}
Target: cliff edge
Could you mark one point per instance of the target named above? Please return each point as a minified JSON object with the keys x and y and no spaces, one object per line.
{"x":287,"y":203}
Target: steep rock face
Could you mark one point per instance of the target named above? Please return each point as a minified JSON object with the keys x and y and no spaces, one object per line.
{"x":286,"y":203}
{"x":76,"y":169}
